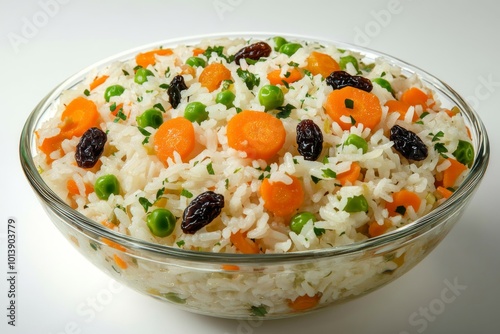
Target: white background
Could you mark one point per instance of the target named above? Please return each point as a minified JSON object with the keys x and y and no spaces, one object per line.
{"x":41,"y":45}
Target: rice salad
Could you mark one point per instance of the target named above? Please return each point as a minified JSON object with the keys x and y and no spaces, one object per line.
{"x":253,"y":146}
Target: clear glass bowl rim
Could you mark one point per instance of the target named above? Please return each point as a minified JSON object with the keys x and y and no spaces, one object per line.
{"x":404,"y":234}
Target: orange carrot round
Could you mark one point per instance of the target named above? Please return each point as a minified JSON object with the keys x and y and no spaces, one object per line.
{"x":257,"y":133}
{"x":174,"y":135}
{"x":321,"y":63}
{"x":401,"y":200}
{"x":212,"y":76}
{"x":79,"y":116}
{"x":243,"y":244}
{"x":360,"y":106}
{"x":305,"y":302}
{"x":452,"y":173}
{"x":145,"y":59}
{"x":414,"y":96}
{"x":280,"y":198}
{"x":351,"y":175}
{"x":275,"y":77}
{"x":400,"y":107}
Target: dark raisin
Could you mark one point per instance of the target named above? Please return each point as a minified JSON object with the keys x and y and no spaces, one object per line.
{"x":201,"y":211}
{"x":341,"y":79}
{"x":178,"y":81}
{"x":309,"y":139}
{"x":408,"y":143}
{"x":254,"y":51}
{"x":90,"y":147}
{"x":174,"y":91}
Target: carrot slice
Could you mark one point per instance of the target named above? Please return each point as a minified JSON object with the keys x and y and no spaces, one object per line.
{"x":174,"y":135}
{"x":446,"y":193}
{"x":321,"y":63}
{"x":257,"y":133}
{"x":374,"y":229}
{"x":243,"y":244}
{"x":98,"y":81}
{"x":113,"y":244}
{"x":79,"y":116}
{"x":360,"y":106}
{"x":145,"y":59}
{"x":401,"y":200}
{"x":72,"y":188}
{"x":452,"y":173}
{"x":414,"y":96}
{"x":400,"y":107}
{"x":351,"y":175}
{"x":120,"y":262}
{"x":198,"y":51}
{"x":51,"y":144}
{"x":230,"y":267}
{"x":108,"y":224}
{"x":212,"y":76}
{"x":280,"y":198}
{"x":275,"y":77}
{"x":305,"y":302}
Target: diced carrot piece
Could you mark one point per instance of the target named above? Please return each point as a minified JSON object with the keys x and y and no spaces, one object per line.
{"x":351,"y":175}
{"x":452,"y":173}
{"x":304,"y":302}
{"x":275,"y":77}
{"x":243,"y":244}
{"x":149,"y":58}
{"x":321,"y":63}
{"x":98,"y":81}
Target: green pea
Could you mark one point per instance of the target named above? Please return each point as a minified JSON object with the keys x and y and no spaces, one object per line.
{"x":271,"y":97}
{"x":151,"y":117}
{"x":106,"y":185}
{"x":226,"y":97}
{"x":464,"y":153}
{"x":356,"y":204}
{"x":299,"y":220}
{"x":383,"y":83}
{"x":357,"y":141}
{"x":161,"y":222}
{"x":141,"y":75}
{"x":348,"y":59}
{"x":195,"y":112}
{"x":278,"y":42}
{"x":115,"y":90}
{"x":289,"y":48}
{"x":196,"y":62}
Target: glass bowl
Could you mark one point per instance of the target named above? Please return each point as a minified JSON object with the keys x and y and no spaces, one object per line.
{"x":242,"y":286}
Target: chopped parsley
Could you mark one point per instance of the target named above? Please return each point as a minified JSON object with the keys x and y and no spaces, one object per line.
{"x":210,"y":169}
{"x":186,"y":193}
{"x":285,"y":111}
{"x":258,"y":311}
{"x":251,"y":80}
{"x":328,"y":173}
